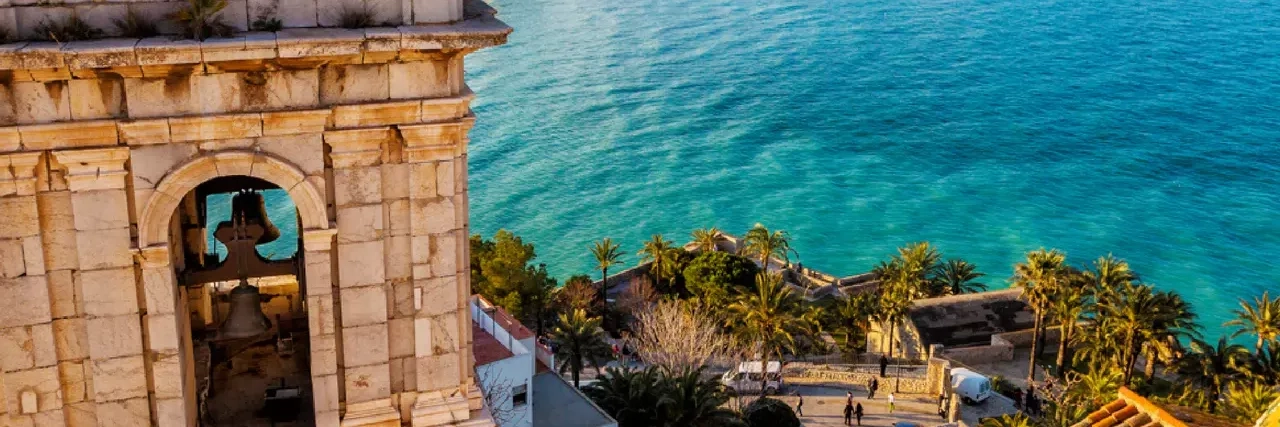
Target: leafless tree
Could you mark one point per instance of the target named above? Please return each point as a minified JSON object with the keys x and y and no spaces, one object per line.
{"x":677,"y":338}
{"x":638,"y":297}
{"x":498,"y":392}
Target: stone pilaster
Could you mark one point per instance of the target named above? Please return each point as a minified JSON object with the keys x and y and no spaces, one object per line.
{"x":318,"y":256}
{"x":437,"y":213}
{"x":28,"y":355}
{"x":168,"y":343}
{"x":362,"y":286}
{"x":116,"y":371}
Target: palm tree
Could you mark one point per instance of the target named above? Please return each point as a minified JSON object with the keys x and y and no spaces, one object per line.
{"x":769,"y":317}
{"x":1264,"y":366}
{"x":707,"y":239}
{"x":959,"y":277}
{"x":632,"y":397}
{"x":1098,"y":386}
{"x":660,"y":251}
{"x":697,"y":402}
{"x":1017,"y":420}
{"x":607,"y":255}
{"x":1070,"y":305}
{"x":1040,"y":277}
{"x":1172,"y":320}
{"x":853,"y":315}
{"x":1246,"y":402}
{"x":1109,"y":273}
{"x":1128,"y":320}
{"x":1261,"y":319}
{"x":579,"y":339}
{"x":760,"y":241}
{"x":1212,"y":366}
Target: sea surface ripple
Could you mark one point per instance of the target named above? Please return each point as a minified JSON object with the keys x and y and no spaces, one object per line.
{"x":1148,"y":129}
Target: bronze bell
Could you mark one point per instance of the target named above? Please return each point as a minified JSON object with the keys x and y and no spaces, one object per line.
{"x":245,"y":318}
{"x":250,"y":206}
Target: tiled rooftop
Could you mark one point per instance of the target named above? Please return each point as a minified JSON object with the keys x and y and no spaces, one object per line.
{"x":486,"y":348}
{"x":1131,"y":410}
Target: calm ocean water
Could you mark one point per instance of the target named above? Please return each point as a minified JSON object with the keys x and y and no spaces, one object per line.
{"x":1149,"y":129}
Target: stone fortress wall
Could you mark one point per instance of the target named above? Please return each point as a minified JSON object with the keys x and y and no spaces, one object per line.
{"x":101,"y":142}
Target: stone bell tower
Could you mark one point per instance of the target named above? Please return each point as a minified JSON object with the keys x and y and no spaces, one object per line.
{"x":110,"y":146}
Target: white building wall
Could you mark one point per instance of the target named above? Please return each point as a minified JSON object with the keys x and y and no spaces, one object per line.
{"x":498,"y":379}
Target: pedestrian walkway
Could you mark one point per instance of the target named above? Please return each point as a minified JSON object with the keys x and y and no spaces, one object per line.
{"x":824,"y":406}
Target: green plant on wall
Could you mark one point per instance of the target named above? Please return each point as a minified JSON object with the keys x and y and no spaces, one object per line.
{"x":201,"y":19}
{"x":69,"y":30}
{"x":134,"y":26}
{"x":266,"y":20}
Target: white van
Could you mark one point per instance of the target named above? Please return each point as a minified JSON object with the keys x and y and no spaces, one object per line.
{"x":972,"y":387}
{"x":746,"y":379}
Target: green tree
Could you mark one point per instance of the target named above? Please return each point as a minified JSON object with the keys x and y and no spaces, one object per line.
{"x":1068,"y":308}
{"x":958,"y":276}
{"x":1264,"y":366}
{"x":1261,"y":319}
{"x":697,"y":402}
{"x":771,"y":317}
{"x":1128,"y":318}
{"x":761,"y":242}
{"x":654,"y":397}
{"x":852,"y":317}
{"x":502,"y":272}
{"x":1213,"y":366}
{"x":1017,"y":420}
{"x":1247,"y":401}
{"x":1098,"y":386}
{"x":767,"y":412}
{"x":580,"y":340}
{"x":1172,"y":321}
{"x":707,"y":239}
{"x":1039,"y":277}
{"x":713,"y":276}
{"x":660,"y":251}
{"x":607,"y":255}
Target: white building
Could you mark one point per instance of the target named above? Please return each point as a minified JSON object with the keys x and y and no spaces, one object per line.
{"x":517,"y":379}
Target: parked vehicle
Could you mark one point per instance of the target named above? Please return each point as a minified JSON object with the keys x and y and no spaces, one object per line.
{"x":971,"y":386}
{"x":746,"y":379}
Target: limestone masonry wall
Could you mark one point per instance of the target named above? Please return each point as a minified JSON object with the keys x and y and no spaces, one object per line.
{"x":102,"y":142}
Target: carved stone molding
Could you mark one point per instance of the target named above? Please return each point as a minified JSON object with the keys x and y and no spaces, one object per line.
{"x":96,"y":169}
{"x":18,"y":174}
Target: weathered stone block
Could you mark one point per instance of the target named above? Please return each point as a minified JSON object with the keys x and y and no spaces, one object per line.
{"x":114,"y":336}
{"x":158,"y":285}
{"x":144,"y":132}
{"x":324,"y":355}
{"x":398,"y":219}
{"x":361,"y":264}
{"x":445,"y":334}
{"x":445,"y":179}
{"x":162,"y":331}
{"x":60,"y":250}
{"x":400,"y":337}
{"x":362,"y":185}
{"x":51,"y":136}
{"x":278,"y":90}
{"x":306,"y":151}
{"x":365,"y":305}
{"x":402,"y":299}
{"x":319,"y":274}
{"x":153,"y":162}
{"x":438,"y":372}
{"x":160,"y":97}
{"x":17,"y":348}
{"x":74,"y":386}
{"x":43,"y":102}
{"x":109,"y":292}
{"x":321,"y":320}
{"x":134,"y":412}
{"x":62,"y":293}
{"x":167,"y":371}
{"x":96,"y":98}
{"x":444,"y":254}
{"x":70,"y":338}
{"x":366,"y":383}
{"x":325,"y":388}
{"x":24,"y":301}
{"x":395,"y":181}
{"x":436,"y":11}
{"x":20,"y":216}
{"x":117,"y":379}
{"x":399,"y":257}
{"x":360,"y":223}
{"x":432,"y":216}
{"x":389,"y":113}
{"x":43,"y":381}
{"x":171,"y":412}
{"x":33,"y":255}
{"x":364,"y":345}
{"x":346,"y":84}
{"x":205,"y":128}
{"x":439,"y":295}
{"x":294,"y":122}
{"x":11,"y":258}
{"x":100,"y":249}
{"x":424,"y":79}
{"x":110,"y":209}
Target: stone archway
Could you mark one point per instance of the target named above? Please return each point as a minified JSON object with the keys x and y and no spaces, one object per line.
{"x":169,"y":339}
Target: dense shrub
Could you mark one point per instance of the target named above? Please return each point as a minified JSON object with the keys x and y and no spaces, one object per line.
{"x":768,"y":412}
{"x":713,"y":276}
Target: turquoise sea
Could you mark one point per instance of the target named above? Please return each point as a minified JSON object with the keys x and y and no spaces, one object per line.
{"x":1149,"y":129}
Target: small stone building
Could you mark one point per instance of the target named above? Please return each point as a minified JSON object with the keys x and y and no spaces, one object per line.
{"x":110,"y":150}
{"x":957,"y":321}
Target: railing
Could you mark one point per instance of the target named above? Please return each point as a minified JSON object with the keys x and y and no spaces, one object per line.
{"x":544,"y":355}
{"x":486,"y":322}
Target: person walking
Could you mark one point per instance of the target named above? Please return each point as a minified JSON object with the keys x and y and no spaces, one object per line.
{"x":848,"y":398}
{"x":800,"y":405}
{"x":890,"y":402}
{"x":871,"y":391}
{"x":848,"y":414}
{"x":857,"y":412}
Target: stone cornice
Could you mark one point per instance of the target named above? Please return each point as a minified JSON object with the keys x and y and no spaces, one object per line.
{"x":98,"y":169}
{"x":18,"y":174}
{"x":291,"y":48}
{"x":106,"y":133}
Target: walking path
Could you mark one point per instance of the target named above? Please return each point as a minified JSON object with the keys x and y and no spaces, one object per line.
{"x":824,"y":406}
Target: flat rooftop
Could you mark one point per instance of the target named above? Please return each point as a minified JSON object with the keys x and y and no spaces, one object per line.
{"x":486,"y":348}
{"x":970,"y":319}
{"x":557,"y":403}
